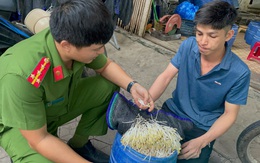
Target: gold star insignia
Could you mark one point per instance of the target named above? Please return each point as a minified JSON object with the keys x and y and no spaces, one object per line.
{"x":39,"y":72}
{"x":42,"y":66}
{"x":38,"y":80}
{"x":32,"y":76}
{"x":46,"y":60}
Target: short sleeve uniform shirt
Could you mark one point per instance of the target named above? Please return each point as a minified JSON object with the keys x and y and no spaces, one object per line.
{"x":35,"y":86}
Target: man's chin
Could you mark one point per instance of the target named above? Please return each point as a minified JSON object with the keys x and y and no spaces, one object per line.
{"x":204,"y":52}
{"x":88,"y":62}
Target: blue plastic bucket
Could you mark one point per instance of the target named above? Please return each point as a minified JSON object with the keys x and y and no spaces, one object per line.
{"x":249,"y":36}
{"x":254,"y":26}
{"x":231,"y":41}
{"x":122,"y":154}
{"x":255,"y":39}
{"x":251,"y":31}
{"x":200,"y":3}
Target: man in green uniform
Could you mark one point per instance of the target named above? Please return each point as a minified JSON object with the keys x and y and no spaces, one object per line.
{"x":42,"y":88}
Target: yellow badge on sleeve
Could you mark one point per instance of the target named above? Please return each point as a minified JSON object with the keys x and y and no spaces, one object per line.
{"x":38,"y":74}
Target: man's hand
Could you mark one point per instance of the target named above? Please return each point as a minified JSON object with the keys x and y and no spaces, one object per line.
{"x":191,"y":149}
{"x":142,"y":98}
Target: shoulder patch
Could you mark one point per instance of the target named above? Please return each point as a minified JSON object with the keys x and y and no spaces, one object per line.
{"x":39,"y":72}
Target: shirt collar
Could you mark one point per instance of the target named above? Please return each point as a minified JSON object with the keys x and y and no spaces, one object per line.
{"x":56,"y":59}
{"x":227,"y":59}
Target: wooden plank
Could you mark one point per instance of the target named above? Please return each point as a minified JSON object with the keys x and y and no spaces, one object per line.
{"x":146,"y":11}
{"x":139,"y":16}
{"x":139,"y":11}
{"x":133,"y":18}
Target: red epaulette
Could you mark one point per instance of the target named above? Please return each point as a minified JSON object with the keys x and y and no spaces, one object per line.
{"x":38,"y":74}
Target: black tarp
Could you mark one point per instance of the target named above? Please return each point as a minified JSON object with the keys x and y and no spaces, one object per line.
{"x":10,"y":34}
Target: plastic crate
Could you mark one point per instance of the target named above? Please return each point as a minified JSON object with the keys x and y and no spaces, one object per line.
{"x":187,"y":28}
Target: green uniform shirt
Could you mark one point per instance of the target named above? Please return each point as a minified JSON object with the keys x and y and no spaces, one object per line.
{"x":24,"y":106}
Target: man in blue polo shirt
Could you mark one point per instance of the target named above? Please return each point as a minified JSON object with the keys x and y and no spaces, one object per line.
{"x":212,"y":82}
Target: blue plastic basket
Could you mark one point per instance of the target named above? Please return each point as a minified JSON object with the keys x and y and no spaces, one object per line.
{"x":187,"y":28}
{"x":256,"y":38}
{"x":251,"y":31}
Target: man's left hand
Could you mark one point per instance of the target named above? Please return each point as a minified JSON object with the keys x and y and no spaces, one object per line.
{"x":191,"y":149}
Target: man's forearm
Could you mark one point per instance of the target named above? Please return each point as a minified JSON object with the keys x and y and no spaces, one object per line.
{"x":221,"y":125}
{"x":57,"y":151}
{"x":114,"y":73}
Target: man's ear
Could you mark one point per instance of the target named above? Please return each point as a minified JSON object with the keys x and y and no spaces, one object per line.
{"x":229,"y":34}
{"x":65,"y":45}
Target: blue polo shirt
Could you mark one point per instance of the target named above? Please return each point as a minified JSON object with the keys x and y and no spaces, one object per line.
{"x":201,"y":98}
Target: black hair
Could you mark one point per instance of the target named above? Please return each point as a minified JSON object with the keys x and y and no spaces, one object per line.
{"x":81,"y":22}
{"x":218,"y":14}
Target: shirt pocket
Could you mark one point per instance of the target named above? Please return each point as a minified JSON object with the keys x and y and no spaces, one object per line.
{"x":56,"y":108}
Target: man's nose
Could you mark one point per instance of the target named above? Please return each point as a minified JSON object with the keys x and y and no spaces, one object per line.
{"x":204,"y":40}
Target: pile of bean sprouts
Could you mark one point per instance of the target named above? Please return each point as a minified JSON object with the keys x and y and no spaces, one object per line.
{"x":152,"y":138}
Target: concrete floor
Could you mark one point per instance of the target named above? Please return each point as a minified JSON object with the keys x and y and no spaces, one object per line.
{"x":144,"y":59}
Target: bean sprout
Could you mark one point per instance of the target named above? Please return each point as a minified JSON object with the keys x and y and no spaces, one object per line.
{"x":152,"y":138}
